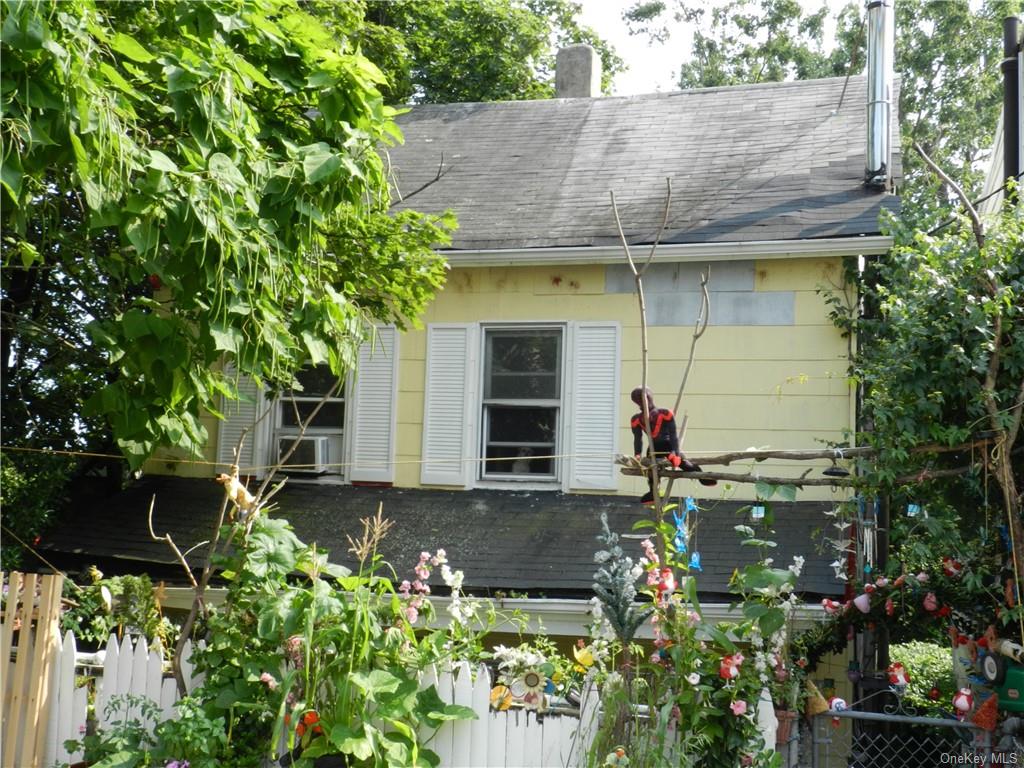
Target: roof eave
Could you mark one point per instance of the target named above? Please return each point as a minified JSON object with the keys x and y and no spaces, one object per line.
{"x":864,"y":245}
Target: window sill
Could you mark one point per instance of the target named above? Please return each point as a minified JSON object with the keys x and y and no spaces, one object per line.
{"x":514,"y":485}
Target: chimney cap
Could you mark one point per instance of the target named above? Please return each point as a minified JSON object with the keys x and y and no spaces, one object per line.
{"x":577,"y":72}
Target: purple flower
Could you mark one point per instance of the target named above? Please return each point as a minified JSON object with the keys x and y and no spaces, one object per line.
{"x":177,"y":764}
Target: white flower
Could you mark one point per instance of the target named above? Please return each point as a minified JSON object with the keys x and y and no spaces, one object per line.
{"x":797,"y":566}
{"x":693,"y":678}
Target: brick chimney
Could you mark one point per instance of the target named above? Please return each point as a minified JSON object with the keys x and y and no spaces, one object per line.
{"x":577,"y":72}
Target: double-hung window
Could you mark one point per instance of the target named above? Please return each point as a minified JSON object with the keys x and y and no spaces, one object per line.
{"x":522,"y":403}
{"x":321,"y":448}
{"x":502,"y":401}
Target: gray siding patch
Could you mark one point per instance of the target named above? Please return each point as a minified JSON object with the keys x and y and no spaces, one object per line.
{"x":727,"y":308}
{"x":674,"y":278}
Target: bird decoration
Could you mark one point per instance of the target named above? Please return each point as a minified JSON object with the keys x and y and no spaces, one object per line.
{"x":963,"y":702}
{"x":237,"y":492}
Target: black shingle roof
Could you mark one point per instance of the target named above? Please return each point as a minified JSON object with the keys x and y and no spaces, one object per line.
{"x":536,"y":542}
{"x":760,"y":162}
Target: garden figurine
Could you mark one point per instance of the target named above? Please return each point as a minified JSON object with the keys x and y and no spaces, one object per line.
{"x":664,"y":437}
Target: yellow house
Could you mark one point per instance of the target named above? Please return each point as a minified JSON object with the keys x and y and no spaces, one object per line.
{"x":521,"y":374}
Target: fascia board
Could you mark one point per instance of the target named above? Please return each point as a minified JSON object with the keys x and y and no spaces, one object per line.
{"x":673,"y":252}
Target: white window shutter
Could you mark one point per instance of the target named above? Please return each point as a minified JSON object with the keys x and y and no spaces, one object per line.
{"x":374,"y":405}
{"x":238,"y":416}
{"x":594,"y":411}
{"x":449,"y":400}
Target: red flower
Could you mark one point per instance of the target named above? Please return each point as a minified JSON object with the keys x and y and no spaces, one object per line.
{"x":945,"y":611}
{"x":300,"y":730}
{"x":311,"y":718}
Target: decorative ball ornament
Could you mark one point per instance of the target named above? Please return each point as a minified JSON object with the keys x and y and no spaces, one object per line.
{"x":836,"y":704}
{"x":952,"y":568}
{"x":890,"y":606}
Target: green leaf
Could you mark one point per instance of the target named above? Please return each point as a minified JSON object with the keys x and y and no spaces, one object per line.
{"x":226,"y":338}
{"x":319,"y":162}
{"x":772,"y":621}
{"x":787,"y":492}
{"x":135,"y":323}
{"x":120,"y":759}
{"x":744,"y":530}
{"x":129,"y":46}
{"x":161,"y":162}
{"x":377,"y":682}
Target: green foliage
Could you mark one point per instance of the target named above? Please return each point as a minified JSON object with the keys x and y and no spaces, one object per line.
{"x":440,"y":51}
{"x":928,"y":665}
{"x":126,"y":743}
{"x":747,"y":42}
{"x":615,"y":586}
{"x":926,"y":357}
{"x":310,"y":660}
{"x":32,"y":490}
{"x":206,"y":158}
{"x":122,"y":604}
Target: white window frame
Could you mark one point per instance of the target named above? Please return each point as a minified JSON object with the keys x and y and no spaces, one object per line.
{"x":481,"y":478}
{"x":338,"y":466}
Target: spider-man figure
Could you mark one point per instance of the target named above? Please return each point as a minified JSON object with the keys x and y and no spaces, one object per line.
{"x":664,"y":439}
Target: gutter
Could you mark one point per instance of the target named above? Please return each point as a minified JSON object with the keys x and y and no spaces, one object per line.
{"x":559,"y":618}
{"x":863,"y":245}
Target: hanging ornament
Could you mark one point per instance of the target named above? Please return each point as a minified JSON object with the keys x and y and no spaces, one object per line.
{"x":863,"y":602}
{"x":695,"y":561}
{"x":890,"y":607}
{"x":836,"y":704}
{"x":913,"y":510}
{"x":898,"y":677}
{"x":952,"y":568}
{"x":729,"y":668}
{"x":757,"y":512}
{"x":963,"y":702}
{"x":681,"y":535}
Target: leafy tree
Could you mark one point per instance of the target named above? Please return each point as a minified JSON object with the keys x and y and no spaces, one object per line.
{"x":194,"y":180}
{"x":440,"y":51}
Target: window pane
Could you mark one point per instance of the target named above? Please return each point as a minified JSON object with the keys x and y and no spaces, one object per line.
{"x":510,"y":424}
{"x":517,"y":461}
{"x":317,"y":380}
{"x":523,"y":364}
{"x":331,"y":416}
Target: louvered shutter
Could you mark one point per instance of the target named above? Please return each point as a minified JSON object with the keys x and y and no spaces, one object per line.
{"x":372,"y":419}
{"x":594,"y":412}
{"x":449,"y":401}
{"x":240,"y":415}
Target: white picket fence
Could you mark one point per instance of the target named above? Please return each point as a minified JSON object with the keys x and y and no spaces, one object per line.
{"x":512,"y":739}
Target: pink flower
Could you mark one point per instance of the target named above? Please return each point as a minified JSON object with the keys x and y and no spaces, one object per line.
{"x":420,"y":587}
{"x":440,"y":558}
{"x":422,"y":571}
{"x":411,"y":614}
{"x":268,"y":680}
{"x":424,"y":556}
{"x":404,"y":587}
{"x":738,"y":707}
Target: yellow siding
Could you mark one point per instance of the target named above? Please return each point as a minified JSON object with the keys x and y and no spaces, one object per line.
{"x":779,"y":386}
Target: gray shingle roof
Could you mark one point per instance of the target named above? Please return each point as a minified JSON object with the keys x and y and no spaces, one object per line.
{"x":757,"y":162}
{"x":536,"y":542}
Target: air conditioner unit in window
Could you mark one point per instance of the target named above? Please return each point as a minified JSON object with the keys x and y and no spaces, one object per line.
{"x":310,"y":456}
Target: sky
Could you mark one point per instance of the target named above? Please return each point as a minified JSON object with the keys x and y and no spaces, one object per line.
{"x":654,"y":67}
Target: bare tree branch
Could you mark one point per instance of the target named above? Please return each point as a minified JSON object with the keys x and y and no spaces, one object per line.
{"x":979,"y":232}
